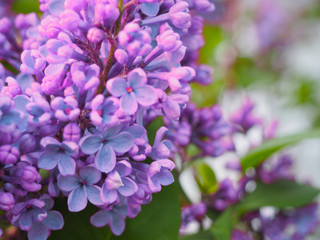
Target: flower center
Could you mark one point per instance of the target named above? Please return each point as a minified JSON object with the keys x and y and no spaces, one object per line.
{"x":67,"y":110}
{"x":99,"y":112}
{"x":129,"y":89}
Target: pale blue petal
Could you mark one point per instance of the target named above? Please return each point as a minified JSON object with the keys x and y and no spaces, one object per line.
{"x":54,"y":220}
{"x":105,"y":159}
{"x":121,"y":143}
{"x":66,"y":165}
{"x":68,"y":183}
{"x":93,"y":194}
{"x":77,"y":200}
{"x":90,"y":144}
{"x":90,"y":175}
{"x":101,"y":218}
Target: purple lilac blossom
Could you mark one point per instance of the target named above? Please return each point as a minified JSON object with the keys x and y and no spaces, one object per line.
{"x":90,"y":73}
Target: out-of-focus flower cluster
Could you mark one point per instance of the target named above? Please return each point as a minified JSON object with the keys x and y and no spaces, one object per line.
{"x":198,"y":126}
{"x":92,"y":74}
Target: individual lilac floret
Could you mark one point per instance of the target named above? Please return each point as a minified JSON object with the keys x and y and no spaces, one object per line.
{"x":107,"y":145}
{"x":28,"y":176}
{"x":226,"y":195}
{"x":118,"y":182}
{"x":159,"y":174}
{"x":39,"y":110}
{"x":195,"y":212}
{"x":7,"y":201}
{"x":141,"y":148}
{"x":34,"y":216}
{"x":161,"y":148}
{"x":132,"y":92}
{"x":103,"y":110}
{"x":72,"y":132}
{"x":56,"y":153}
{"x":81,"y":188}
{"x":66,"y":109}
{"x":114,"y":217}
{"x":95,"y":35}
{"x":178,"y":15}
{"x":135,"y":40}
{"x":244,"y":118}
{"x":8,"y":154}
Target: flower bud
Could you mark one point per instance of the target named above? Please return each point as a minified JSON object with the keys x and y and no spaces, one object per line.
{"x":7,"y":201}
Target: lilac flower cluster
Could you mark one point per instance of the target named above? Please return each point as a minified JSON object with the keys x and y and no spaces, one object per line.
{"x":205,"y":128}
{"x":199,"y":126}
{"x":73,"y":121}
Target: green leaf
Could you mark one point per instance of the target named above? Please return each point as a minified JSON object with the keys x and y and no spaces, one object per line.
{"x":223,"y":226}
{"x":77,"y":225}
{"x":281,"y":194}
{"x":206,"y":178}
{"x":205,"y":235}
{"x":257,"y":155}
{"x":159,"y":220}
{"x":25,"y":6}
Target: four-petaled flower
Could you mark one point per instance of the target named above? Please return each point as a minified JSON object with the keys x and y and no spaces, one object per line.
{"x":112,"y":142}
{"x":56,"y":153}
{"x":81,"y":188}
{"x":132,"y":92}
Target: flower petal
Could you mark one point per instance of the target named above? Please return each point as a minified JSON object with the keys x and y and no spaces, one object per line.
{"x":66,"y":165}
{"x":77,"y":200}
{"x":90,"y":144}
{"x":38,"y":231}
{"x":49,"y":159}
{"x":101,"y":218}
{"x":128,"y":103}
{"x":108,"y":195}
{"x":121,"y":143}
{"x":117,"y":86}
{"x":90,"y":175}
{"x":68,"y":183}
{"x":105,"y":159}
{"x":93,"y":194}
{"x":25,"y":221}
{"x":117,"y":224}
{"x":146,"y":95}
{"x":129,"y":187}
{"x":54,"y":220}
{"x":137,"y":78}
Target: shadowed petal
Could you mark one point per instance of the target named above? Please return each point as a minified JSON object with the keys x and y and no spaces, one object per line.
{"x":48,"y":160}
{"x":38,"y":231}
{"x":109,"y":195}
{"x":54,"y":220}
{"x":129,"y":187}
{"x":117,"y":224}
{"x":25,"y":221}
{"x":101,"y":218}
